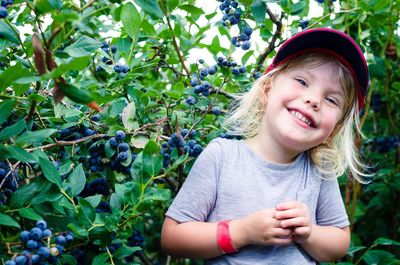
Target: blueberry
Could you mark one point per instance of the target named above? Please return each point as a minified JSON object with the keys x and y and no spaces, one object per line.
{"x":242,"y":69}
{"x":212,"y":70}
{"x":204,"y":72}
{"x":3,"y":12}
{"x":191,"y":143}
{"x":184,"y":132}
{"x":31,"y":244}
{"x":113,"y":142}
{"x":95,"y":117}
{"x":123,"y":147}
{"x":235,"y":70}
{"x":220,"y":59}
{"x":216,"y":111}
{"x":113,"y":49}
{"x":190,"y":100}
{"x":234,"y":40}
{"x":124,"y":68}
{"x":205,"y":93}
{"x":36,"y":233}
{"x":248,"y":31}
{"x":197,"y":89}
{"x":117,"y":68}
{"x":256,"y":75}
{"x":201,"y":61}
{"x":234,"y":4}
{"x":88,"y":132}
{"x":243,"y":37}
{"x":197,"y":149}
{"x":46,"y":233}
{"x":120,"y":135}
{"x":123,"y":156}
{"x":10,"y":262}
{"x":232,"y":64}
{"x":20,"y":260}
{"x":194,"y":82}
{"x":192,"y":133}
{"x":69,"y":237}
{"x":35,"y":259}
{"x":99,"y":68}
{"x":106,"y":60}
{"x":44,"y":252}
{"x":205,"y":85}
{"x":246,"y":45}
{"x":24,"y":236}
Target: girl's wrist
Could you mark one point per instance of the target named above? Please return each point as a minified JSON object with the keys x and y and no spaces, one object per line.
{"x":237,"y":233}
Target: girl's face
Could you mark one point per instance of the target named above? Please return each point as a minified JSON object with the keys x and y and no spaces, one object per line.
{"x":303,"y":107}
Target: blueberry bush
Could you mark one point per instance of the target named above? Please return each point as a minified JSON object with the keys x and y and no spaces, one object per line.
{"x":105,"y":105}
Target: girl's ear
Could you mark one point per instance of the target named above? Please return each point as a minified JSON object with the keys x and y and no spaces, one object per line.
{"x":264,"y":93}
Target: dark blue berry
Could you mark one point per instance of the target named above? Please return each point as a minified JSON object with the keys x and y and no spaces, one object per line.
{"x":24,"y":236}
{"x":3,"y":12}
{"x":44,"y":252}
{"x":123,"y":147}
{"x":190,"y":100}
{"x":212,"y":70}
{"x":36,"y":233}
{"x":235,"y":70}
{"x":194,"y":82}
{"x":99,"y":68}
{"x":120,"y":135}
{"x":204,"y":72}
{"x":201,"y":61}
{"x":123,"y":156}
{"x":46,"y":233}
{"x":242,"y":69}
{"x":248,"y":31}
{"x":10,"y":262}
{"x":113,"y":49}
{"x":216,"y":111}
{"x":246,"y":45}
{"x":60,"y":239}
{"x":31,"y":244}
{"x":95,"y":117}
{"x":20,"y":260}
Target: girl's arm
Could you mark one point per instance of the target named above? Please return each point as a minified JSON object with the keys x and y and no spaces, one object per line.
{"x":199,"y":239}
{"x":327,"y":243}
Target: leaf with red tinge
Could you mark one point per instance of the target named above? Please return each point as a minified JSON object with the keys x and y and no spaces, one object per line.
{"x":94,"y":105}
{"x":79,"y":96}
{"x":58,"y":95}
{"x":38,"y":54}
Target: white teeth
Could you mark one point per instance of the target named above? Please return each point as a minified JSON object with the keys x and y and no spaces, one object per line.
{"x":301,"y":117}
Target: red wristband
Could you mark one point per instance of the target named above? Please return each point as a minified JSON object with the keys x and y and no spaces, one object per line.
{"x":224,"y":238}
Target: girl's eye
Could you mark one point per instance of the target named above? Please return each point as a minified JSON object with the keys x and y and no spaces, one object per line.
{"x":301,"y":82}
{"x":332,"y":100}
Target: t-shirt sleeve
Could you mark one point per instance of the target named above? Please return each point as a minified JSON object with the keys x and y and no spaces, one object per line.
{"x":330,"y":206}
{"x":197,"y":196}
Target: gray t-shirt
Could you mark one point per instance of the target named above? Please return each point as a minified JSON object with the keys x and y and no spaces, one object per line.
{"x":229,"y":181}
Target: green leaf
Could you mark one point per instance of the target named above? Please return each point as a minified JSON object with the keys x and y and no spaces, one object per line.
{"x":50,"y":172}
{"x":194,"y":11}
{"x":29,"y":213}
{"x":100,"y":259}
{"x":75,"y":64}
{"x":6,"y":220}
{"x":76,"y":94}
{"x":386,"y":242}
{"x":94,"y":200}
{"x":6,"y":106}
{"x":125,"y":251}
{"x":11,"y":74}
{"x":83,"y":46}
{"x":34,"y":137}
{"x":128,"y":116}
{"x":19,"y":154}
{"x":77,"y":180}
{"x":131,"y":19}
{"x":259,"y":9}
{"x":155,"y":194}
{"x":13,"y":130}
{"x":25,"y":193}
{"x":7,"y":33}
{"x":78,"y":231}
{"x":151,"y":7}
{"x":86,"y":212}
{"x":152,"y":162}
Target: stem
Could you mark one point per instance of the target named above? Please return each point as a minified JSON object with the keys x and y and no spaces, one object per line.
{"x":70,"y":199}
{"x":110,"y":255}
{"x":174,"y":42}
{"x":358,"y":261}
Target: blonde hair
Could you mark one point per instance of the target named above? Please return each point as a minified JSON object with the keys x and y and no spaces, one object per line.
{"x":339,"y":153}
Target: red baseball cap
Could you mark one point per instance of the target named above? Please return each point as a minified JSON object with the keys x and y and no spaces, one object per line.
{"x":334,"y":42}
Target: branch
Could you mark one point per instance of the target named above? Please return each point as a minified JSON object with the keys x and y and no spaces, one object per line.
{"x":174,"y":42}
{"x":271,"y":46}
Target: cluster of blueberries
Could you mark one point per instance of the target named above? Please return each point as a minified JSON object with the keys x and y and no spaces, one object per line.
{"x":3,"y":8}
{"x":96,"y":186}
{"x":136,"y":240}
{"x":75,"y":133}
{"x":199,"y":87}
{"x":231,"y":12}
{"x":383,"y":144}
{"x":121,"y":69}
{"x":243,"y":40}
{"x":191,"y":146}
{"x":36,"y":251}
{"x":122,"y":154}
{"x":9,"y":185}
{"x":228,"y":62}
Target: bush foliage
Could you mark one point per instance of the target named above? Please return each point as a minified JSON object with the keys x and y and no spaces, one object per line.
{"x":103,"y":111}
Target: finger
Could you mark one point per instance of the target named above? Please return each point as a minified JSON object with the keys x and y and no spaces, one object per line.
{"x":288,"y":205}
{"x":282,"y":241}
{"x":282,"y":232}
{"x":304,"y":231}
{"x":290,"y":213}
{"x":297,"y":221}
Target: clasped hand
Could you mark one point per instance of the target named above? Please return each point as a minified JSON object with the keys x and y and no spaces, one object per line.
{"x":287,"y":222}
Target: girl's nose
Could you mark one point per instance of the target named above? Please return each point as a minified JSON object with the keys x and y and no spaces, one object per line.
{"x":312,"y":101}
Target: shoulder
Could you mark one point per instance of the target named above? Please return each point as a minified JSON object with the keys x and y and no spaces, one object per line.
{"x":223,"y":145}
